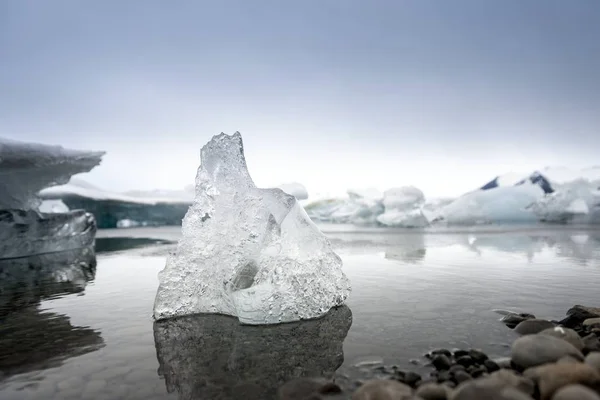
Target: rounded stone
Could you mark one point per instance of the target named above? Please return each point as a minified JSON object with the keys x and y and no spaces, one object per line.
{"x":566,"y":334}
{"x":486,"y":389}
{"x":552,"y":377}
{"x":300,"y":388}
{"x":491,"y":365}
{"x":575,"y":392}
{"x":380,"y":389}
{"x":441,"y":362}
{"x":433,"y":391}
{"x":591,"y":322}
{"x":462,"y":376}
{"x":533,"y":350}
{"x":533,"y":326}
{"x":593,"y":360}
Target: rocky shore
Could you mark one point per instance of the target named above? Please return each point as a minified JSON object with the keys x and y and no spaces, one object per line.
{"x":551,"y":360}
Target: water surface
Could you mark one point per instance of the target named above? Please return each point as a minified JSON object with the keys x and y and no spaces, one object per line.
{"x":89,"y":333}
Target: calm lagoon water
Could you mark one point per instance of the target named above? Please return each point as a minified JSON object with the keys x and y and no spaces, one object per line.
{"x":93,"y":337}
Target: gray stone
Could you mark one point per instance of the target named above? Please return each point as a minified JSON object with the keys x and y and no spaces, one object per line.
{"x":533,"y":326}
{"x":488,"y":389}
{"x":591,"y":321}
{"x":433,"y":391}
{"x":575,"y":392}
{"x":552,"y":377}
{"x":380,"y":389}
{"x":566,"y":334}
{"x":593,"y":360}
{"x":503,"y":362}
{"x":297,"y":389}
{"x":507,"y":378}
{"x":533,"y":350}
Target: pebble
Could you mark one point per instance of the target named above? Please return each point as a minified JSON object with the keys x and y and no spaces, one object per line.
{"x":552,"y":377}
{"x":591,"y":321}
{"x":513,"y":319}
{"x":575,"y":392}
{"x":591,"y":343}
{"x":433,"y":391}
{"x":302,"y":388}
{"x":492,"y":365}
{"x":566,"y":334}
{"x":478,"y":356}
{"x":533,"y":326}
{"x":533,"y":350}
{"x":441,"y":362}
{"x":380,"y":389}
{"x":465,"y":361}
{"x":462,"y":376}
{"x":593,"y":360}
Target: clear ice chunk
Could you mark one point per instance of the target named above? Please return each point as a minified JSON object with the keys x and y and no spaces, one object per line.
{"x":247,"y":252}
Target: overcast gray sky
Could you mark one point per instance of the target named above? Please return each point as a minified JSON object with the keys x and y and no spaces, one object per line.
{"x":333,"y":94}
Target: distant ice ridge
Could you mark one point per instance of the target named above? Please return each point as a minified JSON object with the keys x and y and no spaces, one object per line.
{"x":247,"y":252}
{"x":155,"y":207}
{"x":555,"y":194}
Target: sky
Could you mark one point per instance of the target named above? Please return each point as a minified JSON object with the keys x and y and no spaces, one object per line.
{"x":335,"y":94}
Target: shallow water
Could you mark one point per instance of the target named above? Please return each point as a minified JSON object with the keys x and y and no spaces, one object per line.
{"x":93,"y":336}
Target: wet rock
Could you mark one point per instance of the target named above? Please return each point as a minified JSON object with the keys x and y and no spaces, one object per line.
{"x":591,"y":322}
{"x":575,"y":392}
{"x":533,"y":350}
{"x":513,"y":319}
{"x":566,"y":334}
{"x":552,"y":377}
{"x":533,"y":326}
{"x":438,"y":352}
{"x":591,"y":343}
{"x":456,"y":367}
{"x":488,"y":389}
{"x":593,"y":360}
{"x":460,"y":353}
{"x":465,"y":361}
{"x":444,"y":376}
{"x":380,"y":389}
{"x":577,"y":314}
{"x":412,"y":378}
{"x":302,"y":388}
{"x":492,"y":365}
{"x":478,"y":356}
{"x":441,"y":362}
{"x":462,"y":376}
{"x":478,"y":371}
{"x":433,"y":391}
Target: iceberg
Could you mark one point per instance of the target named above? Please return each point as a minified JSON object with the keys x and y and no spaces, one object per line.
{"x":502,"y":204}
{"x":247,"y":252}
{"x":295,"y":189}
{"x":28,"y":226}
{"x":27,"y":168}
{"x":577,"y":202}
{"x":403,"y":208}
{"x":155,"y":208}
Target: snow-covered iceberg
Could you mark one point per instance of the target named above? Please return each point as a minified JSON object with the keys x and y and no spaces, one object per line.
{"x":247,"y":252}
{"x":403,"y":208}
{"x":157,"y":207}
{"x":25,"y":169}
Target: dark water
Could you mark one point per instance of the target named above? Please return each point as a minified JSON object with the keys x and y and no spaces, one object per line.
{"x":77,"y":332}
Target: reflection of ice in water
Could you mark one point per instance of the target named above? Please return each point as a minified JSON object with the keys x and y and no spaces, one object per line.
{"x":214,"y":357}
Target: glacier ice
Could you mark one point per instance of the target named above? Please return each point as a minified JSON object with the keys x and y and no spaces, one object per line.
{"x":247,"y":252}
{"x":27,"y":225}
{"x":403,"y":208}
{"x":156,"y":207}
{"x":500,"y":204}
{"x":28,"y":232}
{"x":575,"y":202}
{"x":27,"y":168}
